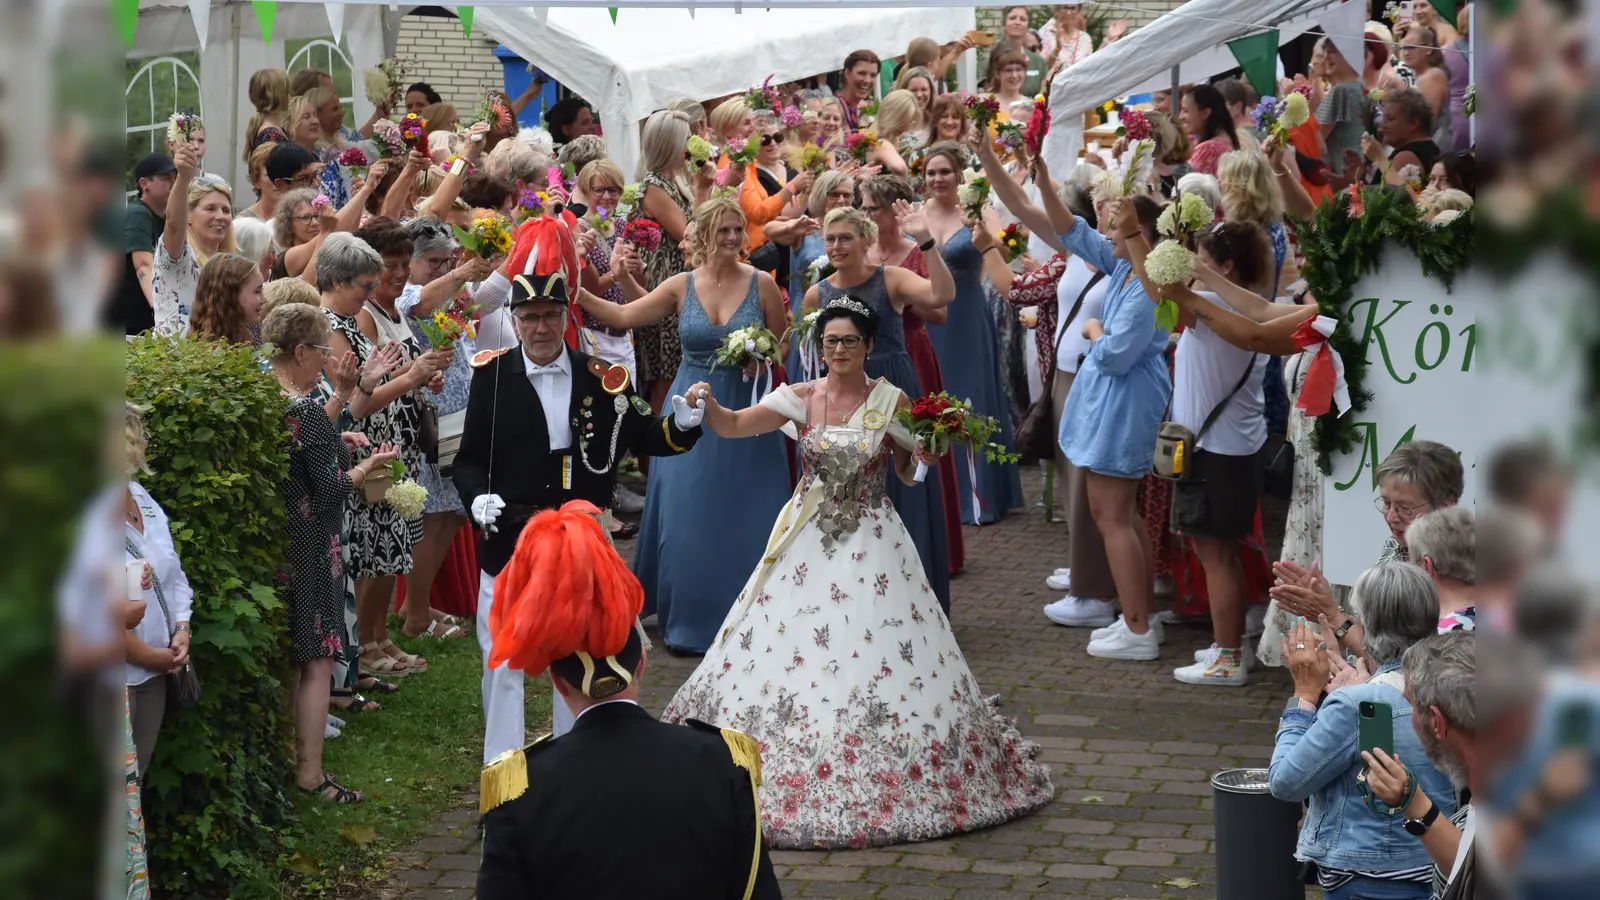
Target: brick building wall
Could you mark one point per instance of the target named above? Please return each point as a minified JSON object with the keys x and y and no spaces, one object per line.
{"x":460,"y":68}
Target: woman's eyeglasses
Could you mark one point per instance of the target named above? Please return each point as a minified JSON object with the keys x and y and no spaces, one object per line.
{"x":849,"y":341}
{"x":768,"y":140}
{"x":324,"y":349}
{"x":306,"y":219}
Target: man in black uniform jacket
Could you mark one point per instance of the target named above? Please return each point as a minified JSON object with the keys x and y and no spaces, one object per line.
{"x":545,"y":424}
{"x":623,"y":806}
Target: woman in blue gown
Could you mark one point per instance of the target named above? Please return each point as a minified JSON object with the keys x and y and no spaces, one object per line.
{"x":849,"y":234}
{"x":707,"y":513}
{"x":967,"y":344}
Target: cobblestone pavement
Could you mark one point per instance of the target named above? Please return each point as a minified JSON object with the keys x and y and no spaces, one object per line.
{"x":1131,"y":750}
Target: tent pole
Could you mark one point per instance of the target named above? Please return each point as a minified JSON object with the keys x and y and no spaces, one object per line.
{"x":233,"y":105}
{"x":1172,"y":102}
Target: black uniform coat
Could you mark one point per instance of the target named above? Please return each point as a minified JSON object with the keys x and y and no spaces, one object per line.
{"x":528,"y":475}
{"x":626,"y":807}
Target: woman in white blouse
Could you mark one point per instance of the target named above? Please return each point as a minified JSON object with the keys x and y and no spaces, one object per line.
{"x":159,"y":645}
{"x":199,"y":226}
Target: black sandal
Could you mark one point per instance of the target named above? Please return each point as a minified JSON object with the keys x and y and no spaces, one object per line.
{"x":358,"y":703}
{"x":341,"y":795}
{"x":377,"y":685}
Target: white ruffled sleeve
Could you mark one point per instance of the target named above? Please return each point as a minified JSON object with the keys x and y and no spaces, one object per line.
{"x":783,"y":399}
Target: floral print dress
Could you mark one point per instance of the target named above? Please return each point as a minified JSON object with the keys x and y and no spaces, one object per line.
{"x":838,"y":659}
{"x":315,"y":495}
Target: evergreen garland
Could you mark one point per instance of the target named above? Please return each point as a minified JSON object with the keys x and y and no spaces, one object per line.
{"x":1339,"y":249}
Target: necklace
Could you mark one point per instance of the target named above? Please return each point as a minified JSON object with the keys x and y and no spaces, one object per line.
{"x":135,"y":517}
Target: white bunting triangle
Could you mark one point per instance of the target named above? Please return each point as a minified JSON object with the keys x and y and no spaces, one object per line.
{"x":335,"y":20}
{"x":200,"y":13}
{"x":691,"y":12}
{"x":541,"y":14}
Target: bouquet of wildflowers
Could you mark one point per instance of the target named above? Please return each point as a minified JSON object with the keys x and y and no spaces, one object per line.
{"x":494,"y":110}
{"x":700,"y":151}
{"x":1171,"y":262}
{"x":600,"y":222}
{"x":1276,"y":118}
{"x":939,"y":422}
{"x":182,"y":126}
{"x":386,"y":137}
{"x":407,"y":497}
{"x":1008,"y":136}
{"x":745,"y":154}
{"x":386,"y":83}
{"x":860,"y":143}
{"x":631,"y":194}
{"x":982,"y":110}
{"x":1133,"y":125}
{"x":973,"y":193}
{"x":792,"y":118}
{"x":489,"y":236}
{"x":643,"y":234}
{"x":767,"y":97}
{"x":531,"y":203}
{"x":809,"y":158}
{"x":414,"y":132}
{"x":446,"y":326}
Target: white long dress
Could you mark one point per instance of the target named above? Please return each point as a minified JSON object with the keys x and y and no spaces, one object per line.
{"x":837,"y":658}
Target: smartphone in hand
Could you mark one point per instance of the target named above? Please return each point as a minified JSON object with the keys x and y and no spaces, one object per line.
{"x":1375,"y":726}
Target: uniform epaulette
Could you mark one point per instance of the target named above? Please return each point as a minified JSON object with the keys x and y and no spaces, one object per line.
{"x":746,"y":750}
{"x":484,"y":357}
{"x":613,"y":378}
{"x":506,"y":777}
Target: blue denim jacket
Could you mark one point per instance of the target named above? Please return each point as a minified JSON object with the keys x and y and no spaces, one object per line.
{"x":1317,"y":758}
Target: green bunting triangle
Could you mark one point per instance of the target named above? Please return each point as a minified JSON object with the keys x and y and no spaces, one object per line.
{"x":613,"y":11}
{"x":464,"y":13}
{"x":1258,"y":56}
{"x":1447,"y":11}
{"x":125,"y":15}
{"x":266,"y":17}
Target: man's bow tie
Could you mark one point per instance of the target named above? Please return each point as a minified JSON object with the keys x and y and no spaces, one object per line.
{"x":544,"y":370}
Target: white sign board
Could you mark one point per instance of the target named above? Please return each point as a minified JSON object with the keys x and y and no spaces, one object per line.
{"x":1471,"y":368}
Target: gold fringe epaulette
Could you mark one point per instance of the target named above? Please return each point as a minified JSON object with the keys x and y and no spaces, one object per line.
{"x":745,"y":750}
{"x":506,"y":778}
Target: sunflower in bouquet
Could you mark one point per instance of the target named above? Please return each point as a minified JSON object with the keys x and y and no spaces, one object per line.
{"x":489,"y":235}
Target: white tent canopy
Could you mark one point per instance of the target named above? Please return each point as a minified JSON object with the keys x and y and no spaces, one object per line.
{"x":651,"y":57}
{"x":1187,"y":45}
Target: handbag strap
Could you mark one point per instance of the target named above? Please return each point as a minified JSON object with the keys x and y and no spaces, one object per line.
{"x":1217,"y":411}
{"x":161,"y":596}
{"x":1055,"y":352}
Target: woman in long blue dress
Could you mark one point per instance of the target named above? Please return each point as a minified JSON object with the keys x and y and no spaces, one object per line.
{"x":707,"y":513}
{"x":967,"y":344}
{"x":849,"y":235}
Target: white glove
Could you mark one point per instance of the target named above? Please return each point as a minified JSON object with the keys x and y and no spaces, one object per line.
{"x":685,"y":416}
{"x":486,"y":508}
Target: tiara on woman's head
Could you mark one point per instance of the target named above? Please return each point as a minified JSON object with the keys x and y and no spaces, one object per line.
{"x":850,"y":303}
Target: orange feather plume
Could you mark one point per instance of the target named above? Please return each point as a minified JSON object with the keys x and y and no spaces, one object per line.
{"x":564,"y":590}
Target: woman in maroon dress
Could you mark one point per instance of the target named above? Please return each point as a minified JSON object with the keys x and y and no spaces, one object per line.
{"x":893,"y":248}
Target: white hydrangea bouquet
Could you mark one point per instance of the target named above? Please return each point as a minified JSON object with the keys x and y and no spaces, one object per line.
{"x":753,"y":349}
{"x":386,"y":83}
{"x":407,"y":497}
{"x":1171,"y":262}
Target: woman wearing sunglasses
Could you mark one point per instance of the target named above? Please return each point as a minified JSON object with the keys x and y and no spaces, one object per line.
{"x":769,"y":190}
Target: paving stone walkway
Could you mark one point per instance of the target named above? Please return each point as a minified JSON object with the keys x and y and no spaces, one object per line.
{"x":1132,"y":752}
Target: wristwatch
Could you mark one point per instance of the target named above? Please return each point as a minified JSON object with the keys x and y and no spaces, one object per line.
{"x":1342,"y":630}
{"x":1419,"y":827}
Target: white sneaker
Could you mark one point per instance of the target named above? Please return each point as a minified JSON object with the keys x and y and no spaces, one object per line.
{"x":1060,"y":580}
{"x":1081,"y":612}
{"x":1249,"y":656}
{"x":329,"y":732}
{"x":335,"y":721}
{"x":1213,"y":669}
{"x":1124,"y":644}
{"x":1121,"y":624}
{"x":1255,"y":620}
{"x":627,"y":501}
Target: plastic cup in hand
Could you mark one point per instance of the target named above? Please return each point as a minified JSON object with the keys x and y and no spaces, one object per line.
{"x":1029,"y":316}
{"x":135,"y":579}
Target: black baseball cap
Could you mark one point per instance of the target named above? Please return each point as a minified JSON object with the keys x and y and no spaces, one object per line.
{"x":153,"y":166}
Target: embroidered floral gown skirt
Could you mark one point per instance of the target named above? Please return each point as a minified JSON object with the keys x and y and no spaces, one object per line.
{"x":839,"y":661}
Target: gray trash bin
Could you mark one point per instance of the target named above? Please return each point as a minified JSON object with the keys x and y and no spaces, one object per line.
{"x":1255,"y":839}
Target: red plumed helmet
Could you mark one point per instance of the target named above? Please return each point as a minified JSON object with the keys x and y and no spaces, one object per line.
{"x":541,"y":246}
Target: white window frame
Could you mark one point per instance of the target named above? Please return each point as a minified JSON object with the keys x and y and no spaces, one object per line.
{"x":296,"y":65}
{"x":159,"y":122}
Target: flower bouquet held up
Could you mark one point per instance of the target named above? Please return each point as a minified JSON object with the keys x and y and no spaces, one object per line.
{"x":809,"y":158}
{"x":414,"y":131}
{"x":494,"y":111}
{"x":643,"y":234}
{"x":767,"y":97}
{"x":1008,"y":137}
{"x":489,"y":236}
{"x":982,"y":110}
{"x":1133,"y":125}
{"x":1171,"y":262}
{"x":630,"y":197}
{"x":386,"y":137}
{"x":386,"y":83}
{"x":973,"y":193}
{"x":1276,"y":118}
{"x":407,"y":497}
{"x":531,"y":203}
{"x":1013,"y":243}
{"x":859,"y":144}
{"x":752,"y":348}
{"x":446,"y":326}
{"x":939,"y":422}
{"x":355,"y":160}
{"x":182,"y":126}
{"x":599,"y":221}
{"x":819,"y":269}
{"x":699,"y":151}
{"x":739,"y":156}
{"x":1138,"y":163}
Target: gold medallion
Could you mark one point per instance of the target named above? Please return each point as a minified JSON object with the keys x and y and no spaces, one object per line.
{"x":872,"y":419}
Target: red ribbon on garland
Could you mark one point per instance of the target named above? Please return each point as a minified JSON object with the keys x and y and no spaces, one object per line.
{"x":1324,"y":383}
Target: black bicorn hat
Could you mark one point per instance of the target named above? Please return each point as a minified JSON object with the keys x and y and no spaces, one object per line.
{"x":599,"y":677}
{"x":550,"y":288}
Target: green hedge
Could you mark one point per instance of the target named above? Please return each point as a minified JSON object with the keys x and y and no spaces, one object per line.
{"x":217,"y":794}
{"x":56,"y":405}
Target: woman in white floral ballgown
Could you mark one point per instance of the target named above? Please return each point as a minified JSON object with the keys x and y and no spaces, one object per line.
{"x":836,"y":656}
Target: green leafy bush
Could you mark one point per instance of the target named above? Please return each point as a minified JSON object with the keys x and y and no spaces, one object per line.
{"x":217,"y":795}
{"x":56,"y":405}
